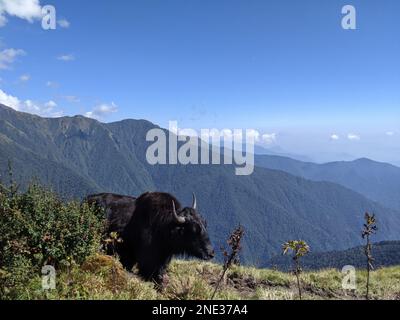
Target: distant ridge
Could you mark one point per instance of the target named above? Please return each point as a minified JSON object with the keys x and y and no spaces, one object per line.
{"x":375,"y":180}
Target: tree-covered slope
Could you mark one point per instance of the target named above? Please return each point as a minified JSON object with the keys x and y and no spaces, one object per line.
{"x":78,"y":156}
{"x":375,"y":180}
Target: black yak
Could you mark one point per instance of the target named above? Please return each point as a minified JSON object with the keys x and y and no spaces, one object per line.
{"x":154,"y":228}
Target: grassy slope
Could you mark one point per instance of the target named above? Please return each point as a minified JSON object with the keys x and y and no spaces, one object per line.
{"x":101,"y":277}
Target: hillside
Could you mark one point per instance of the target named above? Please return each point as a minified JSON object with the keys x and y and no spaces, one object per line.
{"x":375,"y":180}
{"x":39,"y":229}
{"x":101,"y":278}
{"x":385,"y":253}
{"x":77,"y":156}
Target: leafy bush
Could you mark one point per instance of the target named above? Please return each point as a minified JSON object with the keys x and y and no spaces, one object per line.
{"x":37,"y":228}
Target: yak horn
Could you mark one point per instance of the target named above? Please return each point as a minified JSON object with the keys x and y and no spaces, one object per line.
{"x":194,"y":205}
{"x":178,"y":218}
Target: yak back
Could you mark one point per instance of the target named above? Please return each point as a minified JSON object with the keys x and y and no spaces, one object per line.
{"x":154,"y":210}
{"x":118,"y":209}
{"x":151,"y":211}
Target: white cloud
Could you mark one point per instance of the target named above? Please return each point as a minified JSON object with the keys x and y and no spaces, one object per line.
{"x":238,"y":135}
{"x":72,"y":99}
{"x":353,"y":137}
{"x":335,"y":137}
{"x":102,"y":110}
{"x":52,"y":84}
{"x":66,"y":57}
{"x":3,"y":20}
{"x":50,"y":104}
{"x":227,"y":134}
{"x":268,"y":138}
{"x":64,"y":23}
{"x":8,"y":56}
{"x":9,"y":100}
{"x":188,"y":133}
{"x":390,"y":133}
{"x":253,"y":134}
{"x":25,"y":78}
{"x":29,"y":10}
{"x":46,"y":110}
{"x":29,"y":106}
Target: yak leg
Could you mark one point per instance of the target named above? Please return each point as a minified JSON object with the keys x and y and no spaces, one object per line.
{"x":125,"y":256}
{"x":161,"y":279}
{"x":154,"y":271}
{"x":127,"y":262}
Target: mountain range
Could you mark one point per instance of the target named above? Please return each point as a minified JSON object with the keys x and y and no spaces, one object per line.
{"x":76,"y":156}
{"x":385,"y":253}
{"x":375,"y":180}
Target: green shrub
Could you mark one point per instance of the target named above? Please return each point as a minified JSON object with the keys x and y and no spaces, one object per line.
{"x":37,"y":228}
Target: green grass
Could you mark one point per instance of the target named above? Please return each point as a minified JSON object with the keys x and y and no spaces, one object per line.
{"x":102,"y":277}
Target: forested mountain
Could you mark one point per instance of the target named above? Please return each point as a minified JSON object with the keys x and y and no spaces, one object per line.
{"x":375,"y":180}
{"x":77,"y":156}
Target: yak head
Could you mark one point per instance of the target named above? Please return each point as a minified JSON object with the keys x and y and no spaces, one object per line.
{"x":189,"y":233}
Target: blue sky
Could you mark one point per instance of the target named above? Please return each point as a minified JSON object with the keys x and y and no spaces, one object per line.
{"x":283,"y":67}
